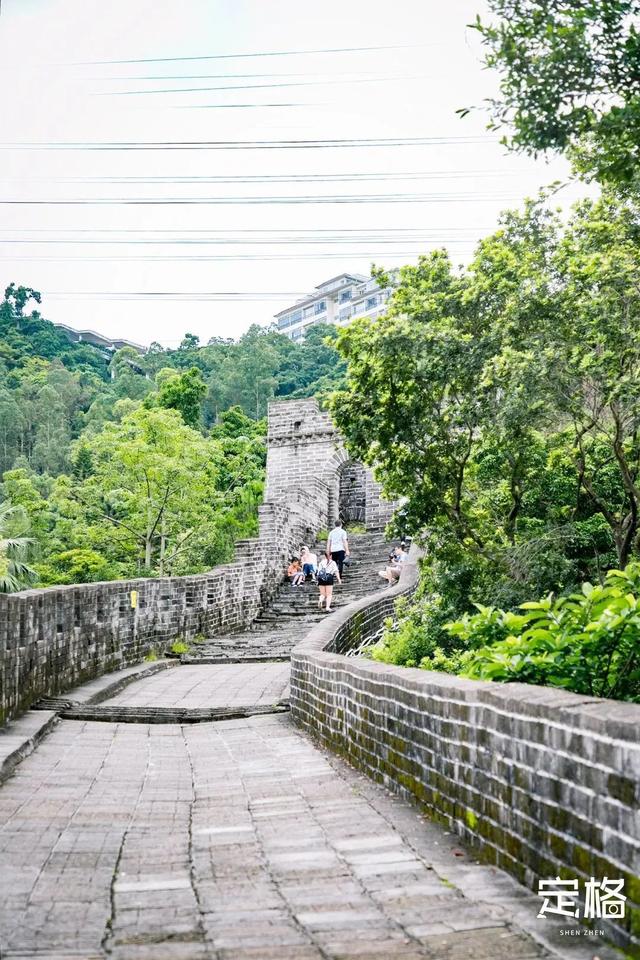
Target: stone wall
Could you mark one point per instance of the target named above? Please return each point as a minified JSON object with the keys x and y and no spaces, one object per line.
{"x":55,"y":638}
{"x":303,"y":443}
{"x":352,"y":494}
{"x":542,"y":782}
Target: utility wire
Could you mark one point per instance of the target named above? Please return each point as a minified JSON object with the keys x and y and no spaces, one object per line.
{"x":255,"y":86}
{"x":223,"y":76}
{"x":279,"y":177}
{"x":270,"y":53}
{"x":266,"y":201}
{"x":173,"y":294}
{"x":241,"y":230}
{"x":225,"y":243}
{"x":287,"y":257}
{"x":247,"y":144}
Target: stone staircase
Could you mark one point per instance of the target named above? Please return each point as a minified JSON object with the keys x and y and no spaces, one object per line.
{"x":278,"y":628}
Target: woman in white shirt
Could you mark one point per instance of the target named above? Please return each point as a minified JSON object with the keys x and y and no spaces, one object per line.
{"x":328,"y":574}
{"x":309,"y":563}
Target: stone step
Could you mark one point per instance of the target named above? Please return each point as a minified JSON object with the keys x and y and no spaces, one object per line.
{"x":293,"y":610}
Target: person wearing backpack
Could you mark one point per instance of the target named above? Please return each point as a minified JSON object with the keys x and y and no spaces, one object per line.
{"x":328,"y":574}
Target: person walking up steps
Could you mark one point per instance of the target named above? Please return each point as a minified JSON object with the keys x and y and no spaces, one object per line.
{"x":338,"y":545}
{"x":328,"y":574}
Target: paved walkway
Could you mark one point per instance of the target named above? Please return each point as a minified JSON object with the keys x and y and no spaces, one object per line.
{"x":224,"y":685}
{"x":237,"y":840}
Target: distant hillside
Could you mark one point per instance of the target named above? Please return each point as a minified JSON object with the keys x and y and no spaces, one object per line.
{"x":31,"y":335}
{"x":122,"y":463}
{"x":52,"y":389}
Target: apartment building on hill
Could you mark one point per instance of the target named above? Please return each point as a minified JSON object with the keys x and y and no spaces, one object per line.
{"x":337,"y":300}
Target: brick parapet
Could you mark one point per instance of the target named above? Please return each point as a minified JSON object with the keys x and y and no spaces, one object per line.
{"x":57,"y":637}
{"x":541,"y":781}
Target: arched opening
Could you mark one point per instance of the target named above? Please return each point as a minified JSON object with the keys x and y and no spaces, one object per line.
{"x":352,"y":492}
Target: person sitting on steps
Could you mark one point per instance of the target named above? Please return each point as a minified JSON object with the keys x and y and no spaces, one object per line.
{"x":309,"y":563}
{"x":338,"y":545}
{"x":294,"y":572}
{"x":328,"y":574}
{"x":391,"y":573}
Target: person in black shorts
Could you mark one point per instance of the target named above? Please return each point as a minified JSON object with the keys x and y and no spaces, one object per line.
{"x":328,"y":574}
{"x":338,"y":545}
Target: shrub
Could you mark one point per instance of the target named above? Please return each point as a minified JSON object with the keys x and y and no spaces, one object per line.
{"x":80,"y":565}
{"x":416,"y":631}
{"x":587,"y":642}
{"x":179,"y":647}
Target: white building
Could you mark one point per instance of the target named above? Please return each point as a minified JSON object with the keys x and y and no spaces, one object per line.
{"x":337,"y":301}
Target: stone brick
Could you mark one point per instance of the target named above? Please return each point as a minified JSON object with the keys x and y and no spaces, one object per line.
{"x":540,"y":781}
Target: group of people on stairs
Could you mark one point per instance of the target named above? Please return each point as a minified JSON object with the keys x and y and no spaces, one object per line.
{"x":328,"y":571}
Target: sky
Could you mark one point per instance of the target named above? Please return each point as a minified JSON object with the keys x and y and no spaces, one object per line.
{"x":215,"y":224}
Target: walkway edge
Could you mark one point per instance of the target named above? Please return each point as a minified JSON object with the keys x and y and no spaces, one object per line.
{"x":540,"y":781}
{"x":21,"y":737}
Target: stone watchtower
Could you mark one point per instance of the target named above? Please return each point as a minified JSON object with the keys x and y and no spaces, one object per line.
{"x":306,"y":454}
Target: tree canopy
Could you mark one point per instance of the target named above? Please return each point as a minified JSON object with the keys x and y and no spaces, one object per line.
{"x":569,"y":80}
{"x":92,"y":442}
{"x":502,"y":401}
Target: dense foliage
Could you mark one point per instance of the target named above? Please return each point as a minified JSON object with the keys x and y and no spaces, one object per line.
{"x":503,"y":401}
{"x":130,"y":464}
{"x":586,"y":642}
{"x":569,"y":80}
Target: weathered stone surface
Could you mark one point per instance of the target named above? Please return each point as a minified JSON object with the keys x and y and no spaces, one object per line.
{"x":239,"y":840}
{"x":543,"y":782}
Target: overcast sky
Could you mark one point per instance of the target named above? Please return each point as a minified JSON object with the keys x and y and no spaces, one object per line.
{"x":228,"y":265}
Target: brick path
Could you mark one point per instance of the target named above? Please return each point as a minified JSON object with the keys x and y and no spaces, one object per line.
{"x":224,"y":685}
{"x":237,"y":840}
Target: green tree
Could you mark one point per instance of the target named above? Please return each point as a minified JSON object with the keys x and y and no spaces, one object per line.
{"x":82,"y":461}
{"x":15,"y":547}
{"x":502,"y":402}
{"x":184,"y":393}
{"x":151,"y":498}
{"x":234,"y":423}
{"x":569,"y":80}
{"x":128,"y":375}
{"x":189,"y":342}
{"x":79,"y":565}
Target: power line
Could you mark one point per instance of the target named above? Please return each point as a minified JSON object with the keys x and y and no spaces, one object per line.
{"x":255,"y":86}
{"x":245,"y":56}
{"x":248,"y":144}
{"x":187,"y":295}
{"x":224,"y":243}
{"x":238,"y":230}
{"x":237,"y":258}
{"x":223,"y":76}
{"x":279,"y":177}
{"x":265,"y":201}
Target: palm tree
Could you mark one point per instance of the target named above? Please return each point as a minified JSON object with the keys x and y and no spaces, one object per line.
{"x":15,"y":572}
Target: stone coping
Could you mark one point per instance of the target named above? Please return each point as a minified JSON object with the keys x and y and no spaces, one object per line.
{"x":614,"y":719}
{"x":21,"y":738}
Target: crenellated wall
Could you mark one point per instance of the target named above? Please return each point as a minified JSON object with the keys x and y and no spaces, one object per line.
{"x":54,"y":638}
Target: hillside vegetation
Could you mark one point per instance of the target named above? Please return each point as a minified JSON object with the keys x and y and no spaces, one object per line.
{"x":127,"y":465}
